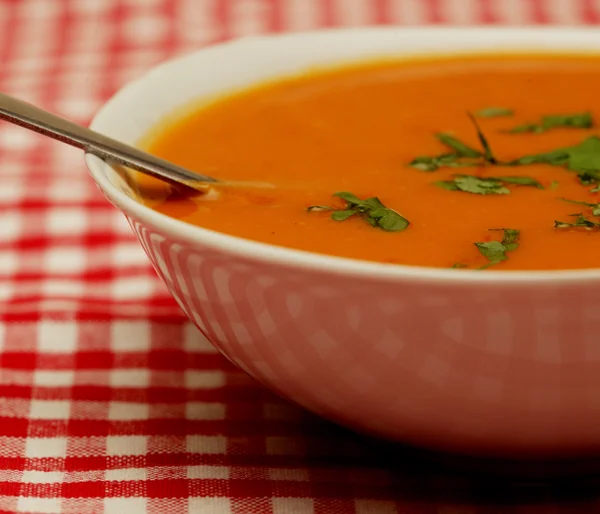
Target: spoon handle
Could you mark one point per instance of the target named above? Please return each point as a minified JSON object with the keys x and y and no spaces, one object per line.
{"x":106,"y":148}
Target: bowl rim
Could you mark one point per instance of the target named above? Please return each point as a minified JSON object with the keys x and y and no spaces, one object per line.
{"x":301,"y":259}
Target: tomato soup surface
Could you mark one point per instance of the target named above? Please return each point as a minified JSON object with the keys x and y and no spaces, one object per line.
{"x":362,"y":130}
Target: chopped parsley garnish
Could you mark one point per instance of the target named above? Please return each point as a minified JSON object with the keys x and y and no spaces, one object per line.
{"x":371,"y":210}
{"x":594,"y":206}
{"x":579,"y":121}
{"x":488,"y":155}
{"x":510,"y":238}
{"x":519,"y":181}
{"x":475,"y":185}
{"x":462,"y":156}
{"x":436,"y":162}
{"x":495,"y":251}
{"x":553,"y":158}
{"x":494,"y":112}
{"x":460,"y":148}
{"x":580,"y":221}
{"x":485,"y":186}
{"x":583,"y":158}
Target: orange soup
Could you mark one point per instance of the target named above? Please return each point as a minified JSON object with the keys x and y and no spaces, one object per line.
{"x":474,"y":162}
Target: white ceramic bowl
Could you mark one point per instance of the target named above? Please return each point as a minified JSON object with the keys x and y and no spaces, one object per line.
{"x":490,"y":362}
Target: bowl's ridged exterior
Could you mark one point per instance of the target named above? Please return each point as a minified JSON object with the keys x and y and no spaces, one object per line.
{"x":474,"y":368}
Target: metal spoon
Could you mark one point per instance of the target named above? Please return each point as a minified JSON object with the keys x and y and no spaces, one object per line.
{"x":113,"y":152}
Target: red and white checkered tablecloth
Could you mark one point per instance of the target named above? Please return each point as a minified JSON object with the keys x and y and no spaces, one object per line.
{"x":110,"y":402}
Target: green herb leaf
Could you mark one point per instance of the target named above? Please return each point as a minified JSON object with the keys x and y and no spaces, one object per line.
{"x":462,"y":154}
{"x":580,"y":221}
{"x":519,"y":181}
{"x":374,"y":203}
{"x":488,"y":185}
{"x":350,"y":199}
{"x":460,"y":148}
{"x":527,"y":127}
{"x":553,"y":158}
{"x":465,"y":163}
{"x":495,"y":251}
{"x":389,"y":220}
{"x":585,"y":156}
{"x":436,"y":162}
{"x":494,"y":112}
{"x":584,"y":159}
{"x":579,"y":121}
{"x":487,"y":151}
{"x":510,"y":237}
{"x":342,"y":215}
{"x":371,"y":210}
{"x":426,"y":163}
{"x":594,"y":206}
{"x":554,"y":185}
{"x":474,"y":185}
{"x":459,"y":265}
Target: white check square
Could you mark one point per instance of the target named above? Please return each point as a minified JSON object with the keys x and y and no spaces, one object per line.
{"x":126,"y":445}
{"x":124,"y":505}
{"x":123,"y":411}
{"x":57,"y":337}
{"x":39,"y":447}
{"x":50,"y":409}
